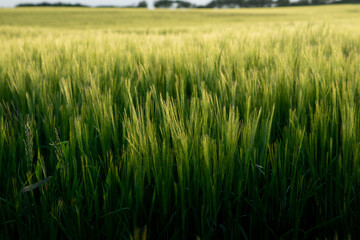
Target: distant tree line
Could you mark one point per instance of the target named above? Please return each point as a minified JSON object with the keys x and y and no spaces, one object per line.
{"x":46,"y":4}
{"x":178,"y":4}
{"x":242,"y":3}
{"x":212,"y":4}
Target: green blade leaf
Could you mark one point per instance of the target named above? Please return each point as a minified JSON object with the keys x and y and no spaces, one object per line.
{"x":36,"y":185}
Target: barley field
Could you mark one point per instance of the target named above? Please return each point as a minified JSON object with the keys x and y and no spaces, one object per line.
{"x":186,"y":124}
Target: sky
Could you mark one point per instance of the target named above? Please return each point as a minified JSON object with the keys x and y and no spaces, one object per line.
{"x":12,"y":3}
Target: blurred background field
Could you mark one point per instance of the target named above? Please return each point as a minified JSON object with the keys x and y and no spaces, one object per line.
{"x":180,"y":124}
{"x":134,"y":19}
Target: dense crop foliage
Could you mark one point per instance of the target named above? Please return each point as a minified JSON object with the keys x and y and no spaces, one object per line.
{"x":180,"y":124}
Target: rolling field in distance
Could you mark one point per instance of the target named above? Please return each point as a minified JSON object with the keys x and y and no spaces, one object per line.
{"x":186,"y":124}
